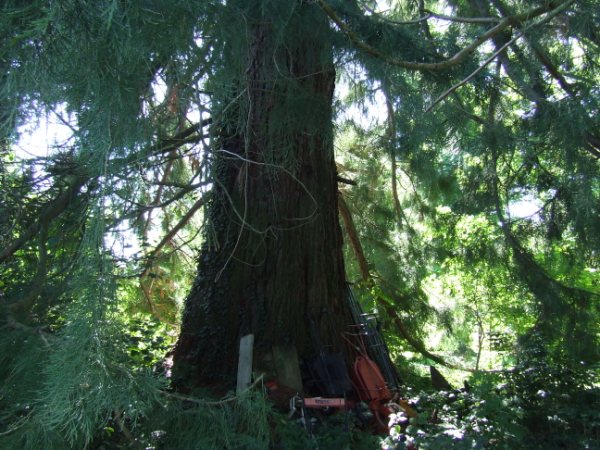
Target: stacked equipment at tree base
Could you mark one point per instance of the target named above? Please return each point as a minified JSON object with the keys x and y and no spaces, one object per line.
{"x":366,"y":325}
{"x":373,"y":378}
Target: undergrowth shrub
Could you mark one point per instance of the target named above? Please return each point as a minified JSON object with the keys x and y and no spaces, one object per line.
{"x":338,"y":431}
{"x":236,"y":423}
{"x":544,"y":403}
{"x":457,"y":420}
{"x":560,"y":399}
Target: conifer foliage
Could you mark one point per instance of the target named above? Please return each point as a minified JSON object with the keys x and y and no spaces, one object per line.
{"x":194,"y":199}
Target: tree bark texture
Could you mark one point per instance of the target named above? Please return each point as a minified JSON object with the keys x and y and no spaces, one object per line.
{"x":272,"y":263}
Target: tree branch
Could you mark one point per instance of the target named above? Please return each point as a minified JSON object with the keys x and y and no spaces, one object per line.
{"x":549,"y":17}
{"x":475,"y":72}
{"x":353,"y":237}
{"x":37,"y":284}
{"x":171,"y":234}
{"x":592,"y":146}
{"x":48,"y":213}
{"x":458,"y":58}
{"x":529,"y":267}
{"x":463,"y":19}
{"x":345,"y":180}
{"x":391,"y":137}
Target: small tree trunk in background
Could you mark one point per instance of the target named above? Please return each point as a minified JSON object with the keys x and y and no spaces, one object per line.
{"x":272,"y":263}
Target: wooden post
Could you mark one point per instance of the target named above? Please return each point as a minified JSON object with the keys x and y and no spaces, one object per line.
{"x":244,"y":374}
{"x":285,"y":359}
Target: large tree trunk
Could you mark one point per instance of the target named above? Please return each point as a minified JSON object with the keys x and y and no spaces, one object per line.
{"x":272,"y":263}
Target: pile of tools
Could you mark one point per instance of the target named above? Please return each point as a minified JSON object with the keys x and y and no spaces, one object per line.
{"x":369,"y":389}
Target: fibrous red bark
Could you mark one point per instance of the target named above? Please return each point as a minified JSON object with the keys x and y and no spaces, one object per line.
{"x":272,"y":263}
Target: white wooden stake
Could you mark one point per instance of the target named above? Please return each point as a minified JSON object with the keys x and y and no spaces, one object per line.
{"x":244,"y":375}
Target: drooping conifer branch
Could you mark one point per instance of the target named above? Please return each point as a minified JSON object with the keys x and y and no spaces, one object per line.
{"x":553,"y":8}
{"x":551,"y":294}
{"x":428,"y":14}
{"x":534,"y":93}
{"x":463,"y":19}
{"x":391,"y":139}
{"x":464,"y":81}
{"x":47,"y":214}
{"x":24,"y":304}
{"x":499,"y":50}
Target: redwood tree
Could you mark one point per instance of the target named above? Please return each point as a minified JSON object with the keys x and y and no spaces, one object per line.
{"x":272,"y":262}
{"x":489,"y":103}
